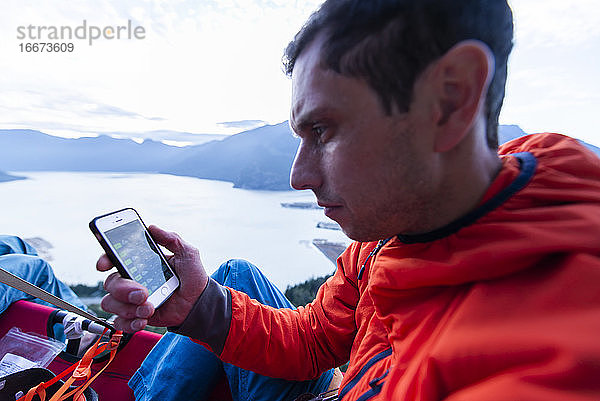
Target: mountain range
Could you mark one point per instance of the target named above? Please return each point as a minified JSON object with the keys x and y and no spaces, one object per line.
{"x":256,"y":159}
{"x":174,"y":138}
{"x":4,"y":177}
{"x":260,"y":158}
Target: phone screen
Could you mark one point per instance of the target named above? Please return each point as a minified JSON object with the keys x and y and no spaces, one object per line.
{"x":139,"y":255}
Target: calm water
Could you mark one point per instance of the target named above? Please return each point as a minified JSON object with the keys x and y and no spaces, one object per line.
{"x":223,"y":222}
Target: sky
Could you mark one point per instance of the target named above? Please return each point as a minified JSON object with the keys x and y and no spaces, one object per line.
{"x":214,"y":66}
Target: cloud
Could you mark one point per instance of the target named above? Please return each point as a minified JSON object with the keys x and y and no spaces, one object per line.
{"x":243,"y":124}
{"x":214,"y":65}
{"x":51,"y":128}
{"x":556,"y":22}
{"x":201,"y":63}
{"x":108,"y":110}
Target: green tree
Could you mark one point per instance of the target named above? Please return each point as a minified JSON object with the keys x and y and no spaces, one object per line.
{"x":304,"y":293}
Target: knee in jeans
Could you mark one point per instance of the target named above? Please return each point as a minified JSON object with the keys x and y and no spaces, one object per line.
{"x":28,"y":267}
{"x":41,"y":269}
{"x":233,"y":270}
{"x":11,"y":244}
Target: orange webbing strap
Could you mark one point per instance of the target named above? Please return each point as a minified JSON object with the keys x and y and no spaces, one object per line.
{"x":81,"y":371}
{"x":111,"y":346}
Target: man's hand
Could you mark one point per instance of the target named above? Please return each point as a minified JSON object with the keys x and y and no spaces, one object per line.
{"x":127,"y":299}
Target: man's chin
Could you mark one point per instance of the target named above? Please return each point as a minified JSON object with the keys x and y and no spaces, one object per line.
{"x":360,"y":235}
{"x":364,"y":232}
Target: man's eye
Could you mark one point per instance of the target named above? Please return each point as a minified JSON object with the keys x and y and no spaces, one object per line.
{"x":318,"y":130}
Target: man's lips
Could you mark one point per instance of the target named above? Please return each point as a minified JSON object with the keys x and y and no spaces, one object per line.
{"x":328,"y":205}
{"x":330,"y":208}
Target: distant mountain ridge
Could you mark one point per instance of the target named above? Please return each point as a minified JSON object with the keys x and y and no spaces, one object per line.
{"x":508,"y":133}
{"x":174,"y":138}
{"x":28,"y":150}
{"x":7,"y":177}
{"x":258,"y":159}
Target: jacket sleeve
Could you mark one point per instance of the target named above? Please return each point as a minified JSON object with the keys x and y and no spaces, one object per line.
{"x":283,"y":343}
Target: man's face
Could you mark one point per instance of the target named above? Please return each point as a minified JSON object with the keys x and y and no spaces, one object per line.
{"x":373,"y":173}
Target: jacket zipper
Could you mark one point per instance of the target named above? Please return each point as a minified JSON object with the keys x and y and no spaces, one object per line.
{"x":380,"y":245}
{"x":382,"y":355}
{"x":376,"y":385}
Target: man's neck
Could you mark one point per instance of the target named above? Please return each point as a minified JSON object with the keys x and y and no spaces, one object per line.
{"x":466,"y":175}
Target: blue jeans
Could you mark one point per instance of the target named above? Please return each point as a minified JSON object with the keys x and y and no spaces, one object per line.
{"x":21,"y":259}
{"x":180,"y":369}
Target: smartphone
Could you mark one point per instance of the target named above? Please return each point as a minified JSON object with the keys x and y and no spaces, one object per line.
{"x":128,"y":244}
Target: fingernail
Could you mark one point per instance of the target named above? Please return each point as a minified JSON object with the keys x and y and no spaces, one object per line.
{"x":138,"y":324}
{"x":143,"y":311}
{"x":136,"y":297}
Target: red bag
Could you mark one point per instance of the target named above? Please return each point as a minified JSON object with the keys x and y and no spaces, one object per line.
{"x":111,"y":385}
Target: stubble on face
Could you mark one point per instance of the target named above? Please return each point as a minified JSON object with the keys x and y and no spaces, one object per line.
{"x":371,"y":167}
{"x":401,"y":199}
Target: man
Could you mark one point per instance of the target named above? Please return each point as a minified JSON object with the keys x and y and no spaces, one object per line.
{"x":474,"y":271}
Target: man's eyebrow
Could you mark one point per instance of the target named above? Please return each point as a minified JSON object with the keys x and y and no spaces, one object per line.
{"x":308,"y":118}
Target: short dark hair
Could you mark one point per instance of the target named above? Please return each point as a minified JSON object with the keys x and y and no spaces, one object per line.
{"x":389,"y":43}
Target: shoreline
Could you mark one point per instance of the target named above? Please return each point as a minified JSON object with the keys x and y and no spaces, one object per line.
{"x":92,"y":294}
{"x":331,"y":250}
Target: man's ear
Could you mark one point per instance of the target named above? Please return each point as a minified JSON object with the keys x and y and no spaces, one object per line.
{"x":461,"y":78}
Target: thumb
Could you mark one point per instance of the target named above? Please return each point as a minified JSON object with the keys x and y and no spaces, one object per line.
{"x":169,"y":240}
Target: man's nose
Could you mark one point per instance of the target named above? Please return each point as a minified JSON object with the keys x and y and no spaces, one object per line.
{"x":306,"y":169}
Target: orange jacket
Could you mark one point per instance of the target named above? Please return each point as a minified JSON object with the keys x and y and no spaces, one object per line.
{"x":503,"y":304}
